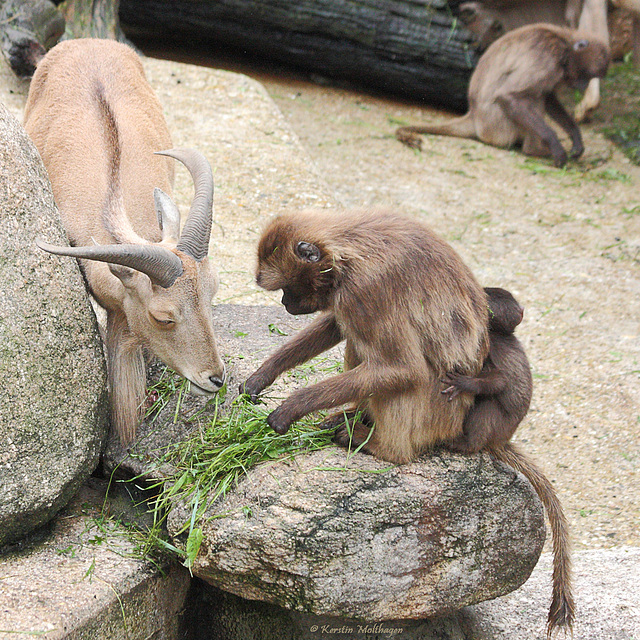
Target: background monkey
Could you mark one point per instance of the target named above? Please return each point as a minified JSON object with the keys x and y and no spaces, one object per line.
{"x":503,"y":388}
{"x":515,"y":84}
{"x":407,"y":306}
{"x":410,"y":311}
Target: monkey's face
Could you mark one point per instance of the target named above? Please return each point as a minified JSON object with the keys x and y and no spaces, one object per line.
{"x":588,"y":59}
{"x":303,"y":270}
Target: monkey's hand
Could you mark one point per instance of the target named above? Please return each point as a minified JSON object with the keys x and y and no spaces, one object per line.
{"x":457,"y":383}
{"x":352,"y":436}
{"x":279,"y":421}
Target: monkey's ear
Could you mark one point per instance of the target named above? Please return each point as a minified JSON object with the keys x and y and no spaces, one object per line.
{"x":580,"y":45}
{"x":307,"y":252}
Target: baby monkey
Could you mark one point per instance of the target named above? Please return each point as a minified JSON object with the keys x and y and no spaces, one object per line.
{"x":503,"y":388}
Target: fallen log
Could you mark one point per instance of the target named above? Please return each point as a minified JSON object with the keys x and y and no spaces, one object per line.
{"x":410,"y":48}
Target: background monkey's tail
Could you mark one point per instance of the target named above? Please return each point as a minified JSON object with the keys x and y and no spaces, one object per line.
{"x":462,"y":127}
{"x":562,"y":610}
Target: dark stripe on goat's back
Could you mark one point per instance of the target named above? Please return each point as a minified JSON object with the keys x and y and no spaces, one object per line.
{"x":111,"y":142}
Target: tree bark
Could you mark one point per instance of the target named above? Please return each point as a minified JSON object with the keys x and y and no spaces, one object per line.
{"x":409,"y":48}
{"x":27,"y":29}
{"x":92,"y":19}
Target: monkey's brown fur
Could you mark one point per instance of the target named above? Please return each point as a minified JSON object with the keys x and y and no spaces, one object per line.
{"x":410,"y":311}
{"x":515,"y":84}
{"x":503,"y":394}
{"x":504,"y":386}
{"x":407,"y":306}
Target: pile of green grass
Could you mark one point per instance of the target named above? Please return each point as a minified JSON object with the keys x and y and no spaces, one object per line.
{"x":223,"y":448}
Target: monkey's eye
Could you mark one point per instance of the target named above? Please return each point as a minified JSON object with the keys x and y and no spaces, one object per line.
{"x":307,"y":252}
{"x":580,"y":45}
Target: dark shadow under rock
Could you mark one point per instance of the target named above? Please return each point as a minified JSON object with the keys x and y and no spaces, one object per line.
{"x":222,"y":616}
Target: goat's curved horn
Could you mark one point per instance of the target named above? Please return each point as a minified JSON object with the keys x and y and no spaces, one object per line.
{"x":161,"y":265}
{"x":197,"y":229}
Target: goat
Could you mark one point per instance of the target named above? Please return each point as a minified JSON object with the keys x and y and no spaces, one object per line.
{"x":97,"y":123}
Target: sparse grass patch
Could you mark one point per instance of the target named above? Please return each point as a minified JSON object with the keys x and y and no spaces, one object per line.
{"x":621,"y":108}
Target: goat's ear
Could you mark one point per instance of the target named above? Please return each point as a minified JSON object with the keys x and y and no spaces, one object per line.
{"x":168,"y":216}
{"x":124,"y":274}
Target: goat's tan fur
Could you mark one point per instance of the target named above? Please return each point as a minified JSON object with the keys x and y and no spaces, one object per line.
{"x":97,"y":125}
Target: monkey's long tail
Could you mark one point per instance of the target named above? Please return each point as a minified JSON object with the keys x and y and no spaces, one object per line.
{"x":462,"y":127}
{"x":562,"y":610}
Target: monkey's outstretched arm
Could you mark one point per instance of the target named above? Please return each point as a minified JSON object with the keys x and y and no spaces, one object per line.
{"x":520,"y":110}
{"x":350,"y":386}
{"x":559,"y":114}
{"x":322,"y":334}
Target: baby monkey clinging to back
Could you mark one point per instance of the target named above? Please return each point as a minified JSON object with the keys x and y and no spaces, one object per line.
{"x":503,"y":388}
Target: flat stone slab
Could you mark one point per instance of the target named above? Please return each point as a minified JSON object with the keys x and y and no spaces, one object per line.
{"x":78,"y":580}
{"x":606,"y":593}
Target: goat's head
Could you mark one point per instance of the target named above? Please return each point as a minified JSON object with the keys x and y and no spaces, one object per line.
{"x":168,"y":287}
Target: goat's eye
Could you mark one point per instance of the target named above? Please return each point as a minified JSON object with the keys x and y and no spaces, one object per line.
{"x":164,"y":322}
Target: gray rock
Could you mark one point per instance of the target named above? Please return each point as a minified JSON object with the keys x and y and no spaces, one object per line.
{"x":52,"y":372}
{"x":27,"y":30}
{"x":81,"y":578}
{"x":351,"y":536}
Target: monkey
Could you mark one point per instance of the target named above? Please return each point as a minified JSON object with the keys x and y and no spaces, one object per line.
{"x":408,"y":307}
{"x":503,"y":392}
{"x":410,"y":311}
{"x":515,"y":84}
{"x":503,"y":388}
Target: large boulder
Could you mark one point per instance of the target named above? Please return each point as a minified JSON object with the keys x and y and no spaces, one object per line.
{"x":355,"y":537}
{"x":53,"y":414}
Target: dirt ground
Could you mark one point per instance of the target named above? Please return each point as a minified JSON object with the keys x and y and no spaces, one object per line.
{"x":566,"y":242}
